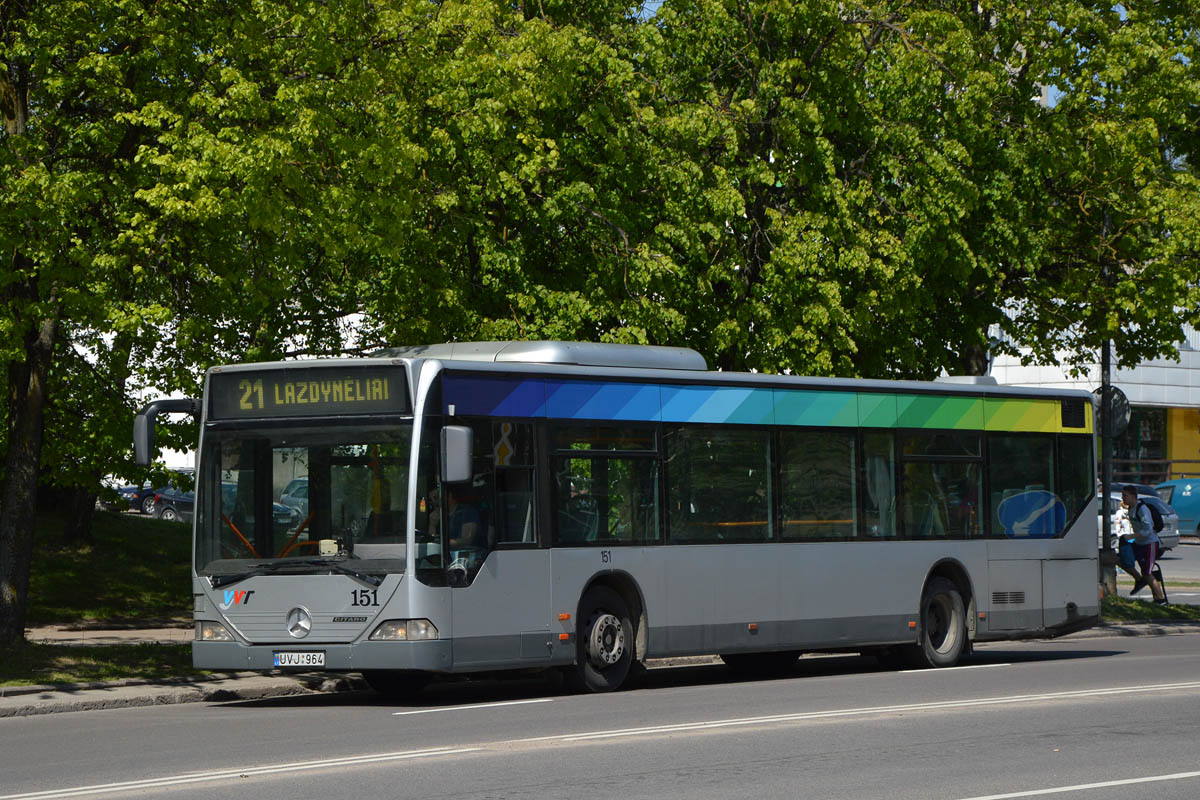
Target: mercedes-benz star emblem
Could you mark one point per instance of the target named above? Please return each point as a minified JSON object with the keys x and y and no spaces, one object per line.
{"x":299,"y":623}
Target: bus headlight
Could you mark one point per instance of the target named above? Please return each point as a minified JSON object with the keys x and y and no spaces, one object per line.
{"x":212,"y":632}
{"x":402,"y":630}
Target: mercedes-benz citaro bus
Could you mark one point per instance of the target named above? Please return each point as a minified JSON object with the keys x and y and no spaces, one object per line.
{"x":495,"y":506}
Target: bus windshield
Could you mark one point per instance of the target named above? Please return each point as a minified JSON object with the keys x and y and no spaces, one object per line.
{"x":335,"y":500}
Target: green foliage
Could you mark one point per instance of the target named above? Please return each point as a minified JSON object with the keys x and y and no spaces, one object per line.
{"x":1122,"y":202}
{"x":801,"y":186}
{"x":784,"y":186}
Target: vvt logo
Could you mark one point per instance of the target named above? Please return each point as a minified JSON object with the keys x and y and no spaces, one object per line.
{"x":235,"y":598}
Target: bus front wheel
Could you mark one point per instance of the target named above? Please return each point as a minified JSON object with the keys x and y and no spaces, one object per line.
{"x":943,"y":625}
{"x":604,"y":645}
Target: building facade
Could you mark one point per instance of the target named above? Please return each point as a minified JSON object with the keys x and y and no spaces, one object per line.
{"x":1162,"y":439}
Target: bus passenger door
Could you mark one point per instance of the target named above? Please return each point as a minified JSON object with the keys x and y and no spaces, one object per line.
{"x":501,"y":620}
{"x":500,"y":586}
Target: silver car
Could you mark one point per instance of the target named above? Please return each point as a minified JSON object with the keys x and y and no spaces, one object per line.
{"x":295,"y":495}
{"x":1168,"y":536}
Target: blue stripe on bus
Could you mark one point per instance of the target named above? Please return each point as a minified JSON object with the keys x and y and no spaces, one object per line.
{"x":632,"y":402}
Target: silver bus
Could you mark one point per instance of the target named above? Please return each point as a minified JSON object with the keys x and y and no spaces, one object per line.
{"x":497,"y":506}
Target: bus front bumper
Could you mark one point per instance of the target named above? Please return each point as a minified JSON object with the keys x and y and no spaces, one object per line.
{"x":433,"y":656}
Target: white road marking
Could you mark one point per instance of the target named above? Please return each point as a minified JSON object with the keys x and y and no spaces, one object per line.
{"x":858,"y":712}
{"x":245,"y":772}
{"x":1083,"y":787}
{"x":274,"y":769}
{"x":944,"y":670}
{"x":465,"y":708}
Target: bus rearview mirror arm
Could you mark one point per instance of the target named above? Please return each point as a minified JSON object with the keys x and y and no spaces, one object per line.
{"x":143,"y":424}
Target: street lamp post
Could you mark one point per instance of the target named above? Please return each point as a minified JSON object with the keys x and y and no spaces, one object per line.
{"x":1108,"y":558}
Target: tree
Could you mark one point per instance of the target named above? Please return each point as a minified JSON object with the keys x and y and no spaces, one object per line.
{"x":169,"y":201}
{"x":786,"y":186}
{"x":1121,"y":210}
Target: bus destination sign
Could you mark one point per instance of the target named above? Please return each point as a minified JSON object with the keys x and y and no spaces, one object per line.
{"x":316,"y":391}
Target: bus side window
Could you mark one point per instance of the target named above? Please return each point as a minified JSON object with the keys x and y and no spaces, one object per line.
{"x":511,"y":514}
{"x":718,"y":484}
{"x":513,"y":518}
{"x":606,"y":485}
{"x":817,"y":481}
{"x":879,"y":485}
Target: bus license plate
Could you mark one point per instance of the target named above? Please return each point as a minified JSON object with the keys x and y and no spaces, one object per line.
{"x":289,"y":658}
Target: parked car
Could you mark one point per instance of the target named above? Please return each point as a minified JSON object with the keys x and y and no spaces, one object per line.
{"x":295,"y":495}
{"x":109,"y":496}
{"x":143,"y":499}
{"x":285,"y":517}
{"x":1183,"y":494}
{"x":172,"y":505}
{"x":1142,"y":488}
{"x":138,"y":498}
{"x":1168,"y":536}
{"x":176,"y":506}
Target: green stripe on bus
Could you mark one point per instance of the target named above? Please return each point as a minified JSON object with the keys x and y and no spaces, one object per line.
{"x":1039,"y":416}
{"x":831,"y":409}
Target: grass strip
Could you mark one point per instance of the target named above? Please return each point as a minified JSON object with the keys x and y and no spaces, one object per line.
{"x":133,"y":569}
{"x":1127,"y":609}
{"x":33,"y":663}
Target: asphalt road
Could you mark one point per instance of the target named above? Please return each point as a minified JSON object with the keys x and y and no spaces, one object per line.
{"x":1103,"y":719}
{"x":1179,"y":565}
{"x":1182,"y":563}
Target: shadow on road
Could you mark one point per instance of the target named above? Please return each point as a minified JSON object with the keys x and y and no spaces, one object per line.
{"x":457,"y":691}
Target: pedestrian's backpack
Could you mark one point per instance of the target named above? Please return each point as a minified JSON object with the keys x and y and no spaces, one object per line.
{"x":1155,"y":515}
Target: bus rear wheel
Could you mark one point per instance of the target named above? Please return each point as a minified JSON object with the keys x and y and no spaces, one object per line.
{"x":396,"y":684}
{"x":943,"y":625}
{"x":604,"y":642}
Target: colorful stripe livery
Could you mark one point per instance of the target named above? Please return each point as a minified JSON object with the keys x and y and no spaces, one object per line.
{"x":739,"y":405}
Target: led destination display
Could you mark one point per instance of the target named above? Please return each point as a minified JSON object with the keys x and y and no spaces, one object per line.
{"x":313,"y":392}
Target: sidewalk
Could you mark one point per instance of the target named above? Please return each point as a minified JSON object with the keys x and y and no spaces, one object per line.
{"x":173,"y":633}
{"x":16,"y":701}
{"x":20,"y":701}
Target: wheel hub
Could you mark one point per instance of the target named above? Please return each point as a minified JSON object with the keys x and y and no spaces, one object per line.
{"x":938,"y":623}
{"x":606,"y":642}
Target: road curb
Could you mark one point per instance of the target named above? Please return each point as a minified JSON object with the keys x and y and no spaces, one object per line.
{"x":22,"y":701}
{"x":1171,"y":627}
{"x":53,"y":700}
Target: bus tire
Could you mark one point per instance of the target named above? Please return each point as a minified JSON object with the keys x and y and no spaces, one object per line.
{"x":396,"y":684}
{"x":943,"y":625}
{"x":604,"y":642}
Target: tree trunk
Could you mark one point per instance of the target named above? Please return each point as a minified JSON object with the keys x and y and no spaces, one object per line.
{"x":975,"y":360}
{"x":18,"y":491}
{"x":80,"y":509}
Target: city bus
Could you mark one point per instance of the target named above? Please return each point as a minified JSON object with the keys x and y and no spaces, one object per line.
{"x":496,"y":506}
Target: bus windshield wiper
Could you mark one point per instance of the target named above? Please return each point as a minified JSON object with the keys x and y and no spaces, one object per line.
{"x":267,"y":567}
{"x":339,"y":566}
{"x":255,"y":569}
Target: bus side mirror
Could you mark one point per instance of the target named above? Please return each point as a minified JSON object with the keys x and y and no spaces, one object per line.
{"x":143,"y":425}
{"x":456,"y":454}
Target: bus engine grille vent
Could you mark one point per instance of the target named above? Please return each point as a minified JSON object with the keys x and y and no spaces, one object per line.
{"x":1072,"y":414}
{"x":1008,"y":598}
